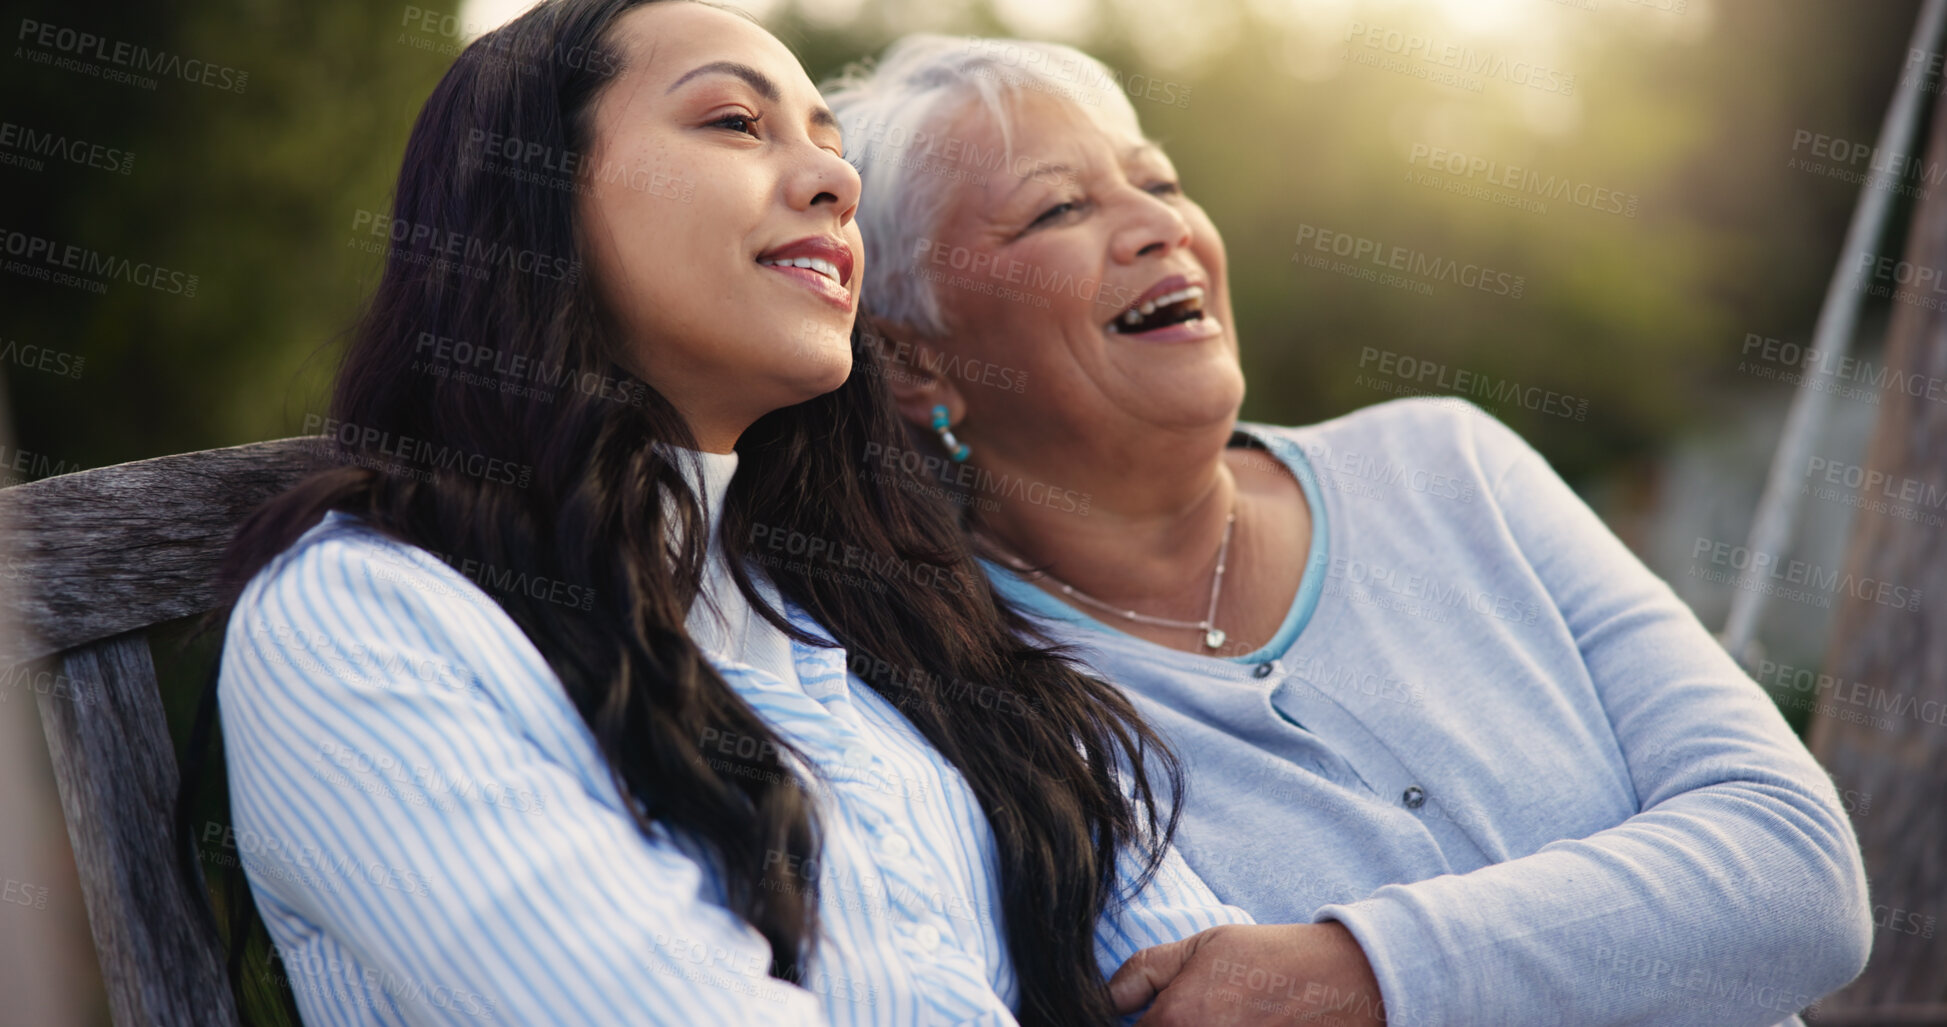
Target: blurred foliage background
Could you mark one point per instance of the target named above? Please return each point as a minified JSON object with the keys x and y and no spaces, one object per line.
{"x":1689,"y":107}
{"x":1692,"y":112}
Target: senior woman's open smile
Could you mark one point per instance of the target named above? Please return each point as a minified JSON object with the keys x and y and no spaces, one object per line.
{"x":1456,"y":749}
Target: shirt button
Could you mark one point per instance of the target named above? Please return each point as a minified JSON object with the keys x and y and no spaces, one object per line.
{"x":1414,"y":797}
{"x":1263,"y":670}
{"x":857,"y":756}
{"x":896,"y":846}
{"x":928,"y":937}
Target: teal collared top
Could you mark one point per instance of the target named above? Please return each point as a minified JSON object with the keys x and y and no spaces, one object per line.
{"x":1037,"y":601}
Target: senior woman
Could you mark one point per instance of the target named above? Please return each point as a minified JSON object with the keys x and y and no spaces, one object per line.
{"x":1440,"y":724}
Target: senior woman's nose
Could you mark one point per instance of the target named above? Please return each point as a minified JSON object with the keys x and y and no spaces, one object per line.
{"x":1155,"y":228}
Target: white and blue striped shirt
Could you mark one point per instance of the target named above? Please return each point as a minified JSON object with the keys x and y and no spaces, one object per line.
{"x":432,"y":835}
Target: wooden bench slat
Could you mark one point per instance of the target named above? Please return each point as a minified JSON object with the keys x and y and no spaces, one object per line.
{"x":116,"y":771}
{"x":99,"y":553}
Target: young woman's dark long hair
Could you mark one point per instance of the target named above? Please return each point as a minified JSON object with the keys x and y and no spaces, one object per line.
{"x":568,"y":482}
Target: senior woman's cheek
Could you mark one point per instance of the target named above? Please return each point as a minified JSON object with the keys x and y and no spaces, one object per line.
{"x":1015,"y":320}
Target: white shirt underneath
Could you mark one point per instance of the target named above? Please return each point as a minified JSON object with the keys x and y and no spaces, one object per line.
{"x":722,"y":622}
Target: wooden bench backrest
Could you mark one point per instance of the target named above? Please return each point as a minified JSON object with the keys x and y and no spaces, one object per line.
{"x":94,"y":560}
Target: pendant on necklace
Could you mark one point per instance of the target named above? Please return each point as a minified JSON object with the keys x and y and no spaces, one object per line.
{"x":1213,"y":639}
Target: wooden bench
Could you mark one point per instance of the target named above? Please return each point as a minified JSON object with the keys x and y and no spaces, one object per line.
{"x":96,"y":559}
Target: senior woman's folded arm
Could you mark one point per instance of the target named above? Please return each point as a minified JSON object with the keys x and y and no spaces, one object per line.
{"x":1735,"y":896}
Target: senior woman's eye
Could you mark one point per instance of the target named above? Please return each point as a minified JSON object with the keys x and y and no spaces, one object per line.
{"x":1058,"y":210}
{"x":1166,"y":188}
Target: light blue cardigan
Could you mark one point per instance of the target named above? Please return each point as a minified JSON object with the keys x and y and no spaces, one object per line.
{"x":1501,"y":752}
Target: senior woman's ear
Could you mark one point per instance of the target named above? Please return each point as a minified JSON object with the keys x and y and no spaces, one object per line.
{"x":915,"y":372}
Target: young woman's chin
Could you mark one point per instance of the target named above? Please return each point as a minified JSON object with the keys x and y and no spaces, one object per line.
{"x":817,"y":379}
{"x":818,"y":357}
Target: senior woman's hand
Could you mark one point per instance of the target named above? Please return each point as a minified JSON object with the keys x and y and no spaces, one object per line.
{"x":1244,"y":975}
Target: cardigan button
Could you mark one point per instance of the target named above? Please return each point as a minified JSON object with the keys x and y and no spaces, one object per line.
{"x":1414,"y":797}
{"x":1263,"y":670}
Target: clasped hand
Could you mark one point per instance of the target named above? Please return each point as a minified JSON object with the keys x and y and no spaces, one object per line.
{"x":1243,"y":975}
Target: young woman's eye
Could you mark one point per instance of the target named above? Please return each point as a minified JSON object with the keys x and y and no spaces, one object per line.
{"x":745,"y":124}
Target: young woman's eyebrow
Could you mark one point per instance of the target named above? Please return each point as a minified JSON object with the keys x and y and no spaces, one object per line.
{"x":757,"y":79}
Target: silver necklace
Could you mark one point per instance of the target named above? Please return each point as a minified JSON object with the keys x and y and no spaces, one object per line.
{"x":1213,"y":636}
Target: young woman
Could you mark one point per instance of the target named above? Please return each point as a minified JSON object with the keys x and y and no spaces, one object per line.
{"x":513,"y":728}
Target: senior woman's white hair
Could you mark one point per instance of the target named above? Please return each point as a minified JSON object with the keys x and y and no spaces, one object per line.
{"x":896,"y":114}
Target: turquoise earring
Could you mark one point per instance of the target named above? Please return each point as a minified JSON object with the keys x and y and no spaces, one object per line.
{"x":955,"y":448}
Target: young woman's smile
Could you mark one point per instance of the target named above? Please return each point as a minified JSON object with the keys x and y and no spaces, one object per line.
{"x":821,"y":263}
